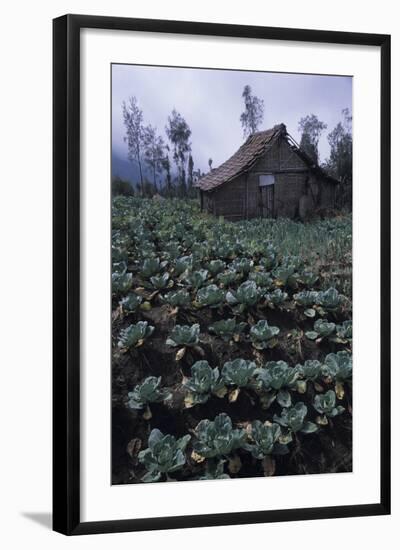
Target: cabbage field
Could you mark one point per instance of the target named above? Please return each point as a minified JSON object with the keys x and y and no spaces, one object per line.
{"x":231,"y":344}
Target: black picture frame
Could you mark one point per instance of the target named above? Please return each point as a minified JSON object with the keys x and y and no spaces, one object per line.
{"x":66,"y":272}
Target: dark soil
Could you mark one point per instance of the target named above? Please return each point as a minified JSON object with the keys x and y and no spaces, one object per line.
{"x":328,"y":450}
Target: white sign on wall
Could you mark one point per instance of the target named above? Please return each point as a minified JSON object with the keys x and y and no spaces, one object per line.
{"x":266,"y":179}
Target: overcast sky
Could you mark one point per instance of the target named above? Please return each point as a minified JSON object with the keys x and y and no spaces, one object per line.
{"x":211,"y":103}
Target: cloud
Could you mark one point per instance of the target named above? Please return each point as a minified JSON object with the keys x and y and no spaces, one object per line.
{"x":211,"y":102}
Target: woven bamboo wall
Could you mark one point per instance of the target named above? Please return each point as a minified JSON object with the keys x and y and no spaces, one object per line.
{"x":241,"y":198}
{"x":288,"y":187}
{"x":230,"y":199}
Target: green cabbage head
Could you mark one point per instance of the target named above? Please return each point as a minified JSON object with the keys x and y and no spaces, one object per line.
{"x":217,"y":437}
{"x":164,"y":455}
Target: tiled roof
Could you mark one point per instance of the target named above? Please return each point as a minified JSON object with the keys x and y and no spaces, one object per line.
{"x":249,"y":152}
{"x":242,"y":160}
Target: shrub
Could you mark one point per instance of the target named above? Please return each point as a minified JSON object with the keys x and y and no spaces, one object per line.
{"x":121,"y":187}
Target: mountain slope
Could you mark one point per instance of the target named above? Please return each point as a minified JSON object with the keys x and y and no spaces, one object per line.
{"x":124,"y":169}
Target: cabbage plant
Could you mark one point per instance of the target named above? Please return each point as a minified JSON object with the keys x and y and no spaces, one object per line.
{"x":121,"y":282}
{"x":325,"y":403}
{"x":338,"y":366}
{"x":268,"y":259}
{"x":164,"y":455}
{"x":262,"y":335}
{"x":177,"y":298}
{"x":134,"y":335}
{"x":241,"y":265}
{"x":118,"y":252}
{"x":308,"y":278}
{"x":322,"y":329}
{"x":151,"y":267}
{"x":182,"y":264}
{"x":227,"y":328}
{"x":160,"y":281}
{"x":224,"y":250}
{"x":149,"y":391}
{"x":131,"y":302}
{"x":200,"y":252}
{"x":204,"y":381}
{"x":214,"y":470}
{"x":285,"y":274}
{"x":227,"y":277}
{"x":210,"y":296}
{"x":294,"y":419}
{"x":263,"y":439}
{"x":184,"y":335}
{"x":196,"y":279}
{"x":261,"y":278}
{"x":310,"y":370}
{"x":330,"y":299}
{"x":119,"y":267}
{"x":277,"y":297}
{"x":217,"y":437}
{"x":276,"y":375}
{"x":344,"y":332}
{"x":171,"y":250}
{"x":247,"y":295}
{"x":216,"y":266}
{"x":238,"y":372}
{"x":306,"y":298}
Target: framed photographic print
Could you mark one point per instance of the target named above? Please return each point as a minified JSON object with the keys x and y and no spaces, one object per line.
{"x":221,"y":274}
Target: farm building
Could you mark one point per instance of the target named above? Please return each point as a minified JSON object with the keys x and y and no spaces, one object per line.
{"x":269,"y":176}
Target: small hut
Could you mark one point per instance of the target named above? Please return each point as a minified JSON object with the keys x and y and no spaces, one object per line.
{"x":269,"y":176}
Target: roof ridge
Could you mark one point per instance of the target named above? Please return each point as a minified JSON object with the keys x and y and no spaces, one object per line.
{"x":241,"y":160}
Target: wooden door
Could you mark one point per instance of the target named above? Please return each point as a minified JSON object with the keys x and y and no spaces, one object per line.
{"x":267,"y":201}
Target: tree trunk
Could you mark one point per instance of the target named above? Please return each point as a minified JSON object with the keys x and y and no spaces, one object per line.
{"x":183,"y":181}
{"x":140,"y":171}
{"x":169,"y":183}
{"x":154,"y":177}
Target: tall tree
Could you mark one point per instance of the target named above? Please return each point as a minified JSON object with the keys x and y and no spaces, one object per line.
{"x":133,"y":120}
{"x":179,"y":133}
{"x":210,"y":161}
{"x":341,"y":141}
{"x":190,"y":171}
{"x":153,"y":151}
{"x":166,"y":164}
{"x":311,"y":129}
{"x":253,"y":113}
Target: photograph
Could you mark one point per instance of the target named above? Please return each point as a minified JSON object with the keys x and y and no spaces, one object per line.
{"x":231,"y":273}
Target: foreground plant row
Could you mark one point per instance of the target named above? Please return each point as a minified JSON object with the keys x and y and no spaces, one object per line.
{"x":208,"y":318}
{"x":218,"y":439}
